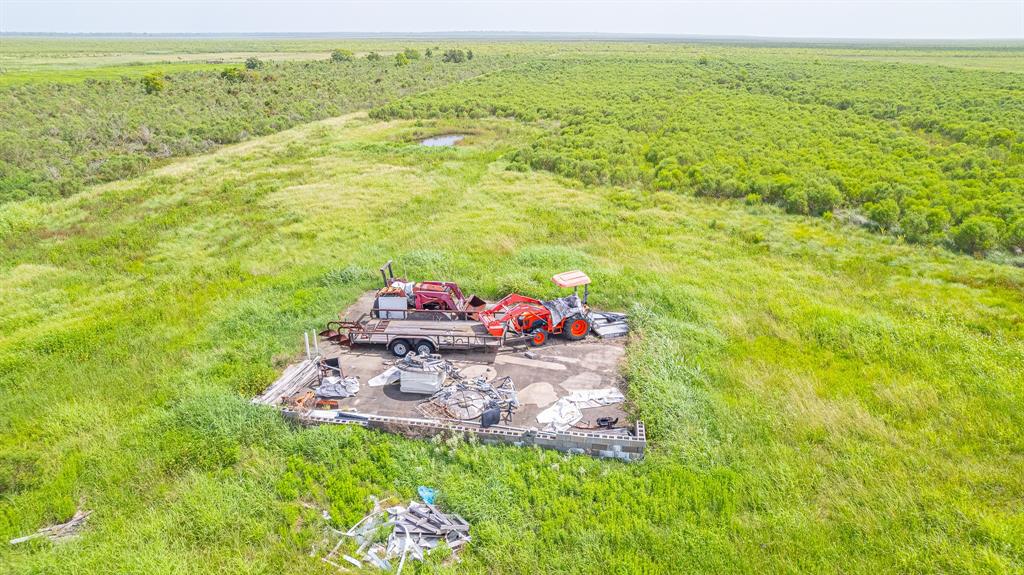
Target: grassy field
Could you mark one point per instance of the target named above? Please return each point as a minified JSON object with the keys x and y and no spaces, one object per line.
{"x":816,"y":396}
{"x":819,"y":398}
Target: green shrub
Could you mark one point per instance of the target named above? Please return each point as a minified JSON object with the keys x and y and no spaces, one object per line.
{"x":1013,"y":239}
{"x":339,"y":55}
{"x":233,"y":74}
{"x":915,"y":225}
{"x":822,"y":196}
{"x":454,"y":55}
{"x":253,"y":63}
{"x":885,"y":212}
{"x":373,"y":56}
{"x":401,"y":59}
{"x":795,"y":201}
{"x":411,"y":53}
{"x":977,"y":234}
{"x":153,"y":83}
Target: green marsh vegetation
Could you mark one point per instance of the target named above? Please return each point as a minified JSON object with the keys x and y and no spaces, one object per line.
{"x":818,"y":396}
{"x":63,"y":129}
{"x":932,"y":154}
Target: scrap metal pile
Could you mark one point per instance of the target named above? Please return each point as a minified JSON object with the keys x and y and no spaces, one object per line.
{"x":415,"y":530}
{"x":469,"y":399}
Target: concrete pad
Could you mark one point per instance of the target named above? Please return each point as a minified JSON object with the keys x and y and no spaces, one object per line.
{"x":561,"y":367}
{"x":604,"y":356}
{"x":586,"y":380}
{"x":475,"y":371}
{"x":562,"y":359}
{"x":527,"y":362}
{"x":541,"y":394}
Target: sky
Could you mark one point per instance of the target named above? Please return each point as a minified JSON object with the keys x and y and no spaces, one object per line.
{"x":910,"y":19}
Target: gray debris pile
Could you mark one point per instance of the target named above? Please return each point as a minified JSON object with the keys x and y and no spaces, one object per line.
{"x":336,"y":387}
{"x":415,"y":530}
{"x":468,"y":399}
{"x":57,"y":532}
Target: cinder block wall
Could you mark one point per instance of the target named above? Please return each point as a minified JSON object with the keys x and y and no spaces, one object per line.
{"x":606,"y":445}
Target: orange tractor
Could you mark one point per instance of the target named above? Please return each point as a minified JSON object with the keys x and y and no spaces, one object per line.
{"x":521,"y":316}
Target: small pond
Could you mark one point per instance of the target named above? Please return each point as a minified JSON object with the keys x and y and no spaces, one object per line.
{"x":445,"y":140}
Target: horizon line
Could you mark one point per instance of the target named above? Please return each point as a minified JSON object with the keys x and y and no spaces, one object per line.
{"x":452,"y":33}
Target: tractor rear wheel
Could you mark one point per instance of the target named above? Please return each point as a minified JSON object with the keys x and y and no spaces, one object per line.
{"x":539,"y":337}
{"x":576,"y":328}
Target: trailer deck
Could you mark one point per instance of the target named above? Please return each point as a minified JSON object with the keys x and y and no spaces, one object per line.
{"x":453,"y":334}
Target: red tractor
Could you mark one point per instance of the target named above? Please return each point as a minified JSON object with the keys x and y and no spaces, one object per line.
{"x":518,"y":315}
{"x":398,"y":295}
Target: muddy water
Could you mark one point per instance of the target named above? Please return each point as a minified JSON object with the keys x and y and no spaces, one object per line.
{"x":445,"y":140}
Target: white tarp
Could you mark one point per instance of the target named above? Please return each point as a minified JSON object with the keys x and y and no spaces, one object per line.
{"x":565,"y":412}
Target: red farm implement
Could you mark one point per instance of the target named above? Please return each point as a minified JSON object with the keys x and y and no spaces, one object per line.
{"x":399,"y":295}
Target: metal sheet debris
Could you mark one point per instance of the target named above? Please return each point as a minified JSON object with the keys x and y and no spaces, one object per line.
{"x":294,"y":378}
{"x":415,"y":530}
{"x":607,"y":324}
{"x":468,"y":399}
{"x":57,"y":532}
{"x":389,"y":375}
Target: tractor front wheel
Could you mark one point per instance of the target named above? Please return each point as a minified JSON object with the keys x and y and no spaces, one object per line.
{"x":576,"y":328}
{"x":539,"y":338}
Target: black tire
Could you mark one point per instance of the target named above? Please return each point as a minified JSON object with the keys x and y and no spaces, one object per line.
{"x":400,"y":347}
{"x":538,"y":337}
{"x":425,"y":347}
{"x":573,"y":330}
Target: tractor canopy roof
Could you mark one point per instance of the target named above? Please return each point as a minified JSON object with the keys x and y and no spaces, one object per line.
{"x":571,"y":279}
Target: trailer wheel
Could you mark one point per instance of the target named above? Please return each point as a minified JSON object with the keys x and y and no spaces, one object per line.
{"x":400,"y":347}
{"x":576,"y":328}
{"x":425,"y":347}
{"x":540,"y":337}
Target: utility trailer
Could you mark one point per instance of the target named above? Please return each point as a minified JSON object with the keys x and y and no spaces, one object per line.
{"x":422,"y":336}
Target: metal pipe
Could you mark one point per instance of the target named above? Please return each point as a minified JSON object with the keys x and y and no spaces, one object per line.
{"x":305,"y":334}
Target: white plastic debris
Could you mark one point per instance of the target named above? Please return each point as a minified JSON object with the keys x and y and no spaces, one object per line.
{"x":389,"y":375}
{"x":565,"y":412}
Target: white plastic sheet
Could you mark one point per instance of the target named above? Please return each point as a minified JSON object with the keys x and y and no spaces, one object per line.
{"x":566,"y":412}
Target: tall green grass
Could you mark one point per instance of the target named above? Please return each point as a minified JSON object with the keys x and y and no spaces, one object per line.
{"x":818,"y":398}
